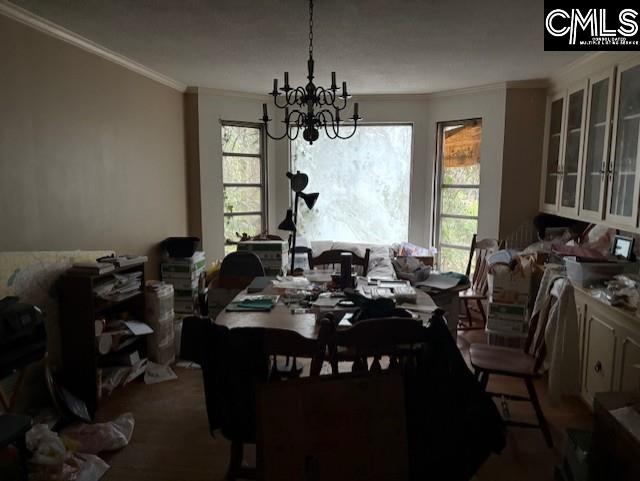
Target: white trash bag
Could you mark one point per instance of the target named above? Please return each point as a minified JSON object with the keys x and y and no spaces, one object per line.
{"x":95,"y":438}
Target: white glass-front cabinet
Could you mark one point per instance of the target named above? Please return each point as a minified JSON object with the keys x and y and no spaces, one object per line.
{"x":553,"y":152}
{"x":573,"y":140}
{"x":624,"y":164}
{"x":596,"y":146}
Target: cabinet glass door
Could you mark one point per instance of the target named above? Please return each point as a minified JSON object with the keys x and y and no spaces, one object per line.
{"x":553,"y":156}
{"x":597,"y":146}
{"x":573,"y":150}
{"x":623,"y":174}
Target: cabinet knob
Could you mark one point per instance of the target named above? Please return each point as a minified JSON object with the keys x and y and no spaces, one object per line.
{"x":597,"y":367}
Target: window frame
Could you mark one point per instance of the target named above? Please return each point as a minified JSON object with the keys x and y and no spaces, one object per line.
{"x":264,"y":172}
{"x":437,"y":215}
{"x":347,"y":125}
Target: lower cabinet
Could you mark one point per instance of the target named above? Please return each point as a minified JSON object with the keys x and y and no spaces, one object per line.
{"x":609,"y":347}
{"x":600,"y":350}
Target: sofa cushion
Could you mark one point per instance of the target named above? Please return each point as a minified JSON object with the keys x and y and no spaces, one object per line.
{"x":380,"y":264}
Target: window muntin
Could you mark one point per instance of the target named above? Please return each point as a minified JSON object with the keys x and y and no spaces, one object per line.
{"x":244,"y":181}
{"x":457,"y":193}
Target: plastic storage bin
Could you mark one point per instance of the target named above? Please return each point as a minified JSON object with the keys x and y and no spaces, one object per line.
{"x":180,"y":246}
{"x":588,"y":273}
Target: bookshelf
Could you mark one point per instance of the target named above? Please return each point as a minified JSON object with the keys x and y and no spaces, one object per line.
{"x":79,"y":308}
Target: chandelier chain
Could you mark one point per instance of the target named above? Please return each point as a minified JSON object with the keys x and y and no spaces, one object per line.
{"x":311,"y":108}
{"x":310,"y":28}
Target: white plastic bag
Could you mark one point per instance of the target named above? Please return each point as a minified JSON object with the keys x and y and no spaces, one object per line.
{"x":46,"y":446}
{"x":95,"y":438}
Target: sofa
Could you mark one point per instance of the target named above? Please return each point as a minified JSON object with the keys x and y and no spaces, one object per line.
{"x":380,"y":256}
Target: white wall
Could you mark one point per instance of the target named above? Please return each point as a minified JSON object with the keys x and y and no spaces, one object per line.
{"x":92,"y":155}
{"x":212,"y":109}
{"x":490,"y":107}
{"x":423,"y":111}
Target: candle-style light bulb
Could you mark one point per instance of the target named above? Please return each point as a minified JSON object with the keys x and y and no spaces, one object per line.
{"x":344,"y":89}
{"x":265,"y":117}
{"x":355,"y":111}
{"x":333,"y":81}
{"x":286,"y":80}
{"x":275,"y":86}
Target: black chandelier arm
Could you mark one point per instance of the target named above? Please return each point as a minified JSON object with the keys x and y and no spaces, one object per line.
{"x":285,"y":104}
{"x":298,"y":120}
{"x":325,"y":96}
{"x":337,"y":131}
{"x":325,"y":117}
{"x":300,"y":96}
{"x":274,"y":137}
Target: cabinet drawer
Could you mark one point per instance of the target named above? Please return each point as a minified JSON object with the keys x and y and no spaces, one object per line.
{"x":600,"y":349}
{"x":629,"y":365}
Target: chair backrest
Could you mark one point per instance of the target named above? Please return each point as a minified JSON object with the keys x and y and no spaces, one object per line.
{"x":238,"y":269}
{"x":332,"y":257}
{"x":395,"y":337}
{"x":480,"y":251}
{"x":281,"y":342}
{"x":350,"y":427}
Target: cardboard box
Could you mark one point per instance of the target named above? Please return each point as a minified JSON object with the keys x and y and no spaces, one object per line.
{"x":510,"y":287}
{"x":506,"y":325}
{"x":187,"y":265}
{"x":513,"y":312}
{"x":507,"y":318}
{"x":272,"y":253}
{"x":515,"y":341}
{"x":158,"y":303}
{"x":182,"y":283}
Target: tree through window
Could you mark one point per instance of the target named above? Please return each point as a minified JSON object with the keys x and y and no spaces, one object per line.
{"x":458,"y":191}
{"x":244,"y":181}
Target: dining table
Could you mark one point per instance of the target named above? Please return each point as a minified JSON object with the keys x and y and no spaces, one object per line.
{"x":305,"y":321}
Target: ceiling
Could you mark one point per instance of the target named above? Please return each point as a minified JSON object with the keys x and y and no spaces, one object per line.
{"x":377,"y":46}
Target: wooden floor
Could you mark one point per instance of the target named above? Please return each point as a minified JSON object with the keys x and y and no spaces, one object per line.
{"x":171,"y":441}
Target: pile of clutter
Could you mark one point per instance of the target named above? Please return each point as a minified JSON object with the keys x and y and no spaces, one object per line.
{"x":120,"y":287}
{"x":622,"y":291}
{"x":513,"y":281}
{"x":71,"y":455}
{"x":412,"y":262}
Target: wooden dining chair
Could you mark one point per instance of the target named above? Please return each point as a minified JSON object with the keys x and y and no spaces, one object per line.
{"x":395,"y":338}
{"x":472,"y":298}
{"x":523,"y":364}
{"x":349,"y":427}
{"x":238,"y":269}
{"x":332,"y":258}
{"x":275,"y":342}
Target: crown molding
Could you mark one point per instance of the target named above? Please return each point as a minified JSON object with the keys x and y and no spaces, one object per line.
{"x":542,"y":83}
{"x":581,"y":62}
{"x":227,"y":93}
{"x":516,"y":84}
{"x":43,"y":25}
{"x":587,"y":65}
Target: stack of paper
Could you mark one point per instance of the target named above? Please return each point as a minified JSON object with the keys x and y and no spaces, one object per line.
{"x":122,"y":286}
{"x":253,"y":303}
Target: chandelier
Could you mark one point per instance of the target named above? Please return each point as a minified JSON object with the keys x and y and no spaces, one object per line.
{"x":311,"y":108}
